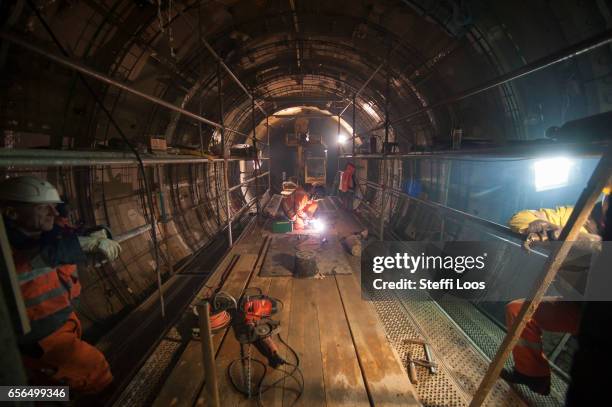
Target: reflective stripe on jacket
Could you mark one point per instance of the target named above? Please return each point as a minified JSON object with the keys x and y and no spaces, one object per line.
{"x":47,"y":291}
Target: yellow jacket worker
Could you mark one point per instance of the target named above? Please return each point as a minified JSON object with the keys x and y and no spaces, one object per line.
{"x":531,"y":367}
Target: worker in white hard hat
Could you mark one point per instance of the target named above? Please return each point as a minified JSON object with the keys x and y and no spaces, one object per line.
{"x":45,"y":262}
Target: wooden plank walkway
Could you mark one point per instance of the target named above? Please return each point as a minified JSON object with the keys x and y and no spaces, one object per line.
{"x":344,"y":355}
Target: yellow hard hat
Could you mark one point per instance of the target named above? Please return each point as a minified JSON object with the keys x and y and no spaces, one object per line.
{"x":28,"y":189}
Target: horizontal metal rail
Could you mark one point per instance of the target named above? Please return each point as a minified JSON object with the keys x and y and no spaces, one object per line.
{"x":60,"y":158}
{"x":139,"y":230}
{"x":526,"y":151}
{"x":79,"y":67}
{"x":510,"y":236}
{"x":505,"y":233}
{"x":247,"y":181}
{"x":133,"y":233}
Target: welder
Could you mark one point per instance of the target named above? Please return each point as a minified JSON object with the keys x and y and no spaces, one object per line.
{"x":553,"y":314}
{"x":45,"y":260}
{"x":297,"y":205}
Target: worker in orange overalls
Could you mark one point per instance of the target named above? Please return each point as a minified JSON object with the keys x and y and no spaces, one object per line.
{"x":298,"y":207}
{"x":553,"y":314}
{"x":45,"y":261}
{"x":347,"y":185}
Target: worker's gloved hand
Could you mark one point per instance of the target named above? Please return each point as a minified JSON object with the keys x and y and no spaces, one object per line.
{"x":541,"y":226}
{"x":98,"y":242}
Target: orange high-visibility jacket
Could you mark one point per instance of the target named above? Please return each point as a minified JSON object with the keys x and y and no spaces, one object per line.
{"x":346,"y":181}
{"x":49,"y":283}
{"x":294,"y":204}
{"x":47,"y":292}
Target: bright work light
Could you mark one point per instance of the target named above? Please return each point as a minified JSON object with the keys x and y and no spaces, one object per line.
{"x":551,"y":173}
{"x":318,"y":225}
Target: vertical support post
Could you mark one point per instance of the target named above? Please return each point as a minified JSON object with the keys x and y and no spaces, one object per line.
{"x":269,"y":153}
{"x":217,"y":192}
{"x":164,"y":217}
{"x":383,"y":175}
{"x":340,"y":150}
{"x":200,"y":67}
{"x":13,"y":315}
{"x":354,"y":119}
{"x":227,"y":201}
{"x":580,"y":214}
{"x":383,"y":191}
{"x":208,"y":356}
{"x":225,"y":161}
{"x":256,"y":162}
{"x":154,"y":225}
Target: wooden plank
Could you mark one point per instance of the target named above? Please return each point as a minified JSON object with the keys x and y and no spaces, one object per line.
{"x":386,"y":379}
{"x":303,"y":336}
{"x":280,"y":260}
{"x":344,"y":385}
{"x":230,"y":350}
{"x":278,"y":288}
{"x":184,"y":382}
{"x":281,"y":288}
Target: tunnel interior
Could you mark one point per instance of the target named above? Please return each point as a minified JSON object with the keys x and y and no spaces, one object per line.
{"x":175,"y":123}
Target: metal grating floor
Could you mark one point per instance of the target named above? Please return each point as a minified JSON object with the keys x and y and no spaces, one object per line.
{"x":461,"y":367}
{"x":463,"y":354}
{"x":145,"y":383}
{"x":487,"y":336}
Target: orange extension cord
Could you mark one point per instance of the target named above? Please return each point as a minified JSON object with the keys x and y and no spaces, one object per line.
{"x":219,"y":320}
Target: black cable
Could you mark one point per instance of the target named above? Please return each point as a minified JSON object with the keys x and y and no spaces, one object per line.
{"x":261,"y":388}
{"x":125,"y":140}
{"x":296,"y":368}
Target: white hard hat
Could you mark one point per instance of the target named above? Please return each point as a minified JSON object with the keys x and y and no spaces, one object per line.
{"x":28,"y":189}
{"x":289,"y":185}
{"x":288,"y":188}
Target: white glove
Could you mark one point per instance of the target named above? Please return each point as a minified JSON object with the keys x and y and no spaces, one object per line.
{"x":99,"y":242}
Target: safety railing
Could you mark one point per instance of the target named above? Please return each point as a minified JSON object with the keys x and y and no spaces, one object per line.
{"x":491,"y":228}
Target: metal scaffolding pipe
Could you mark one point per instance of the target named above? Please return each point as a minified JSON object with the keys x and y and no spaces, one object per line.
{"x":306,"y":115}
{"x":599,"y":179}
{"x":451,"y":211}
{"x":527,"y":151}
{"x":232,"y":75}
{"x":77,"y":66}
{"x":208,"y":355}
{"x":539,"y":64}
{"x":362,"y":88}
{"x":247,"y":181}
{"x":60,"y":158}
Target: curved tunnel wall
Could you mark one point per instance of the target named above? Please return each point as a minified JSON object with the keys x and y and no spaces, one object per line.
{"x":287,"y":53}
{"x":190,"y":210}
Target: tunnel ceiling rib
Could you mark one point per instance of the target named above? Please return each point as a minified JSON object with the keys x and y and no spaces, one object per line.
{"x":436,"y":52}
{"x":349,"y":53}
